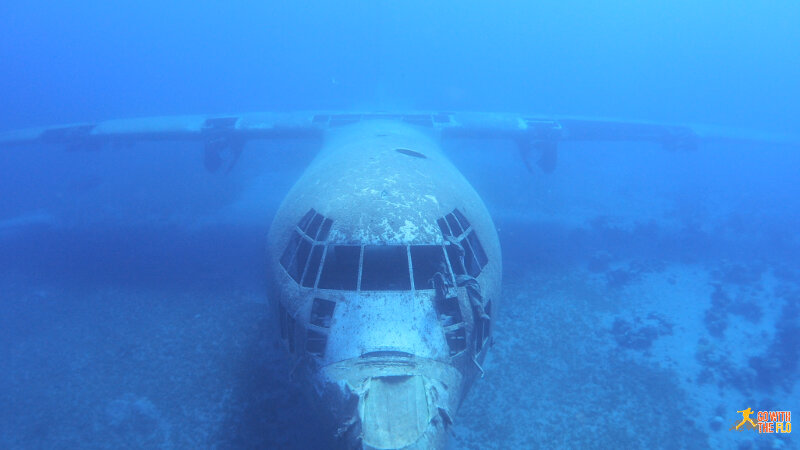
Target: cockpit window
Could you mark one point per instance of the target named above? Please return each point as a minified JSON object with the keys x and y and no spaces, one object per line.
{"x":461,"y":219}
{"x":455,"y":227}
{"x":444,"y":227}
{"x":310,"y":276}
{"x":298,"y":263}
{"x":313,"y":226}
{"x":324,"y":230}
{"x":385,"y":268}
{"x":474,"y":258}
{"x":426,"y":261}
{"x":299,"y":260}
{"x":455,"y":253}
{"x":291,"y":249}
{"x":340,"y":269}
{"x":464,"y":250}
{"x":303,"y":224}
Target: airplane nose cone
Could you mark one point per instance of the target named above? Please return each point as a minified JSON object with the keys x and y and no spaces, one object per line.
{"x":391,"y":400}
{"x":398,"y":413}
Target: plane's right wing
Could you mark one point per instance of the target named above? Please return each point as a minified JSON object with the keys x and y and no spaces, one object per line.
{"x":539,"y":136}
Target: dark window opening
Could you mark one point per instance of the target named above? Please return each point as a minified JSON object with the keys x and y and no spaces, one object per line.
{"x":297,"y":265}
{"x":290,"y":331}
{"x":477,"y":248}
{"x":385,"y":267}
{"x":461,"y":219}
{"x":322,"y":312}
{"x":408,"y":152}
{"x":324,"y":230}
{"x":288,"y":254}
{"x":426,"y":260}
{"x":315,"y":342}
{"x":448,"y":311}
{"x":470,"y":263}
{"x":454,"y":225}
{"x":303,"y":224}
{"x":312,"y":268}
{"x":456,"y":262}
{"x":282,"y":319}
{"x":456,"y":341}
{"x":443,"y":226}
{"x":313,"y":226}
{"x":340,"y":269}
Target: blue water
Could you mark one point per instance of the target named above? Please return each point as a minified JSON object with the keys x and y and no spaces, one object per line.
{"x":648,"y":295}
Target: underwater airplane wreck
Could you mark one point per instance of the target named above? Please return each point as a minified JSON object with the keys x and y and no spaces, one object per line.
{"x":385,"y":266}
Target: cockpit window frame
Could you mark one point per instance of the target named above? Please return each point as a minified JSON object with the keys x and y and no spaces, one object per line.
{"x":462,"y":254}
{"x":464,"y":249}
{"x":308,"y":238}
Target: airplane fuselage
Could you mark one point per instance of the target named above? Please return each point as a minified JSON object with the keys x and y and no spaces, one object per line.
{"x":385,"y":273}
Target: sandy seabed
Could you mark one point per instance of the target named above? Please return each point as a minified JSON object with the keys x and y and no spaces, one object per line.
{"x":584,"y":361}
{"x":635,"y":354}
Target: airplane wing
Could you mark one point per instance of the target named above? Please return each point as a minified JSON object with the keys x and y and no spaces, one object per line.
{"x":539,"y":136}
{"x":536,"y":135}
